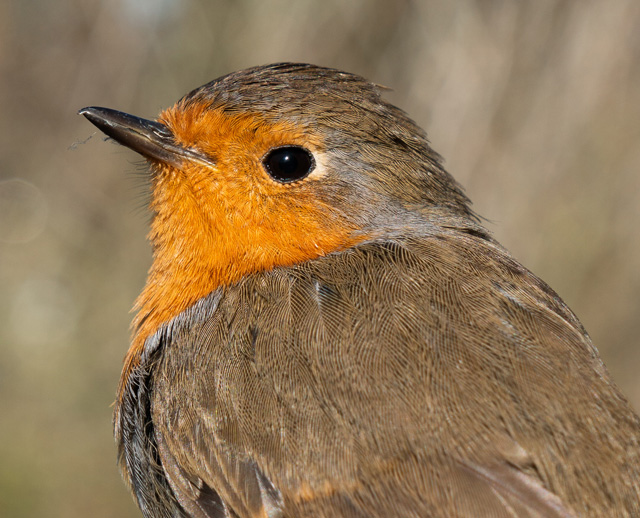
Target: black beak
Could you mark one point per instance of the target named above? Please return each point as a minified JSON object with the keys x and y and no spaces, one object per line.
{"x":151,"y":139}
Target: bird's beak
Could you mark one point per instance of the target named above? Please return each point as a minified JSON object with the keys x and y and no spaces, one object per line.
{"x":151,"y":139}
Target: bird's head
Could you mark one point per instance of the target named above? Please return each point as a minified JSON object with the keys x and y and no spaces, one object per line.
{"x":273,"y":166}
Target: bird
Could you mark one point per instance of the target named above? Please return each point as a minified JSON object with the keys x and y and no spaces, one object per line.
{"x":328,"y":329}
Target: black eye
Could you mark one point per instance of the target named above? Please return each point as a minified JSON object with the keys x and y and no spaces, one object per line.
{"x":289,"y":163}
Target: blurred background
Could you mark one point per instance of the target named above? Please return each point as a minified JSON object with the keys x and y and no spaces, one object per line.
{"x":535,"y":106}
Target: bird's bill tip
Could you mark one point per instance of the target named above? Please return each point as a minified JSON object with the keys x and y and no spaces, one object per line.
{"x":89,"y":110}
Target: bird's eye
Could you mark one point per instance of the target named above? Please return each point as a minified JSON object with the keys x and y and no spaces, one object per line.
{"x":289,"y":163}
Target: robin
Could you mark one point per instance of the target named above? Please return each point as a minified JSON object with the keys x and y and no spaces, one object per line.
{"x":327,"y":330}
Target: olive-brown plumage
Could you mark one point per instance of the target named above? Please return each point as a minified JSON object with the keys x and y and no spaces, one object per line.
{"x":327,"y":330}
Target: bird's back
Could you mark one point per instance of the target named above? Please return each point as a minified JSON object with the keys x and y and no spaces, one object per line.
{"x":430,"y":376}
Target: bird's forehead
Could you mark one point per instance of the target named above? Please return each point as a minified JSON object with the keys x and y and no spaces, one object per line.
{"x":214,"y":128}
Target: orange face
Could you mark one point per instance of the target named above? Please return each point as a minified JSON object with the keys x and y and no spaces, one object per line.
{"x":223,"y":217}
{"x":231,"y":215}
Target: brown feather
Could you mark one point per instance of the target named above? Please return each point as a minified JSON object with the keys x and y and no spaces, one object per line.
{"x":386,"y":381}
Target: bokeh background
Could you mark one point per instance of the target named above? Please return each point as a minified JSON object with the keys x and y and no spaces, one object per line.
{"x":534,"y":104}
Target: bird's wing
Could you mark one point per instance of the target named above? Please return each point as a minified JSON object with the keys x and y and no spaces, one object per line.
{"x":418,"y":379}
